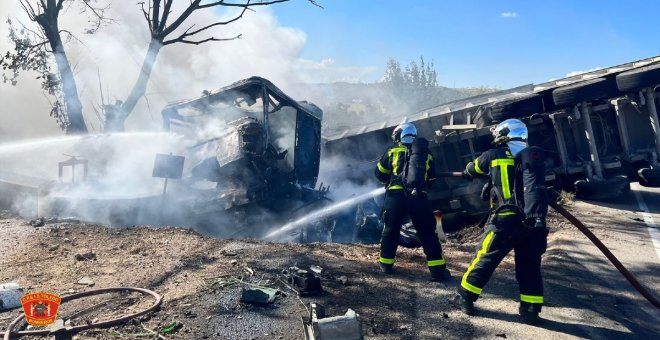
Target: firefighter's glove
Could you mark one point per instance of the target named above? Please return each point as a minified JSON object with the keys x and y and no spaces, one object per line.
{"x":466,"y":174}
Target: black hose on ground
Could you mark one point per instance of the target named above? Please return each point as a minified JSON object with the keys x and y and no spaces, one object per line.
{"x":633,"y":281}
{"x":107,"y":323}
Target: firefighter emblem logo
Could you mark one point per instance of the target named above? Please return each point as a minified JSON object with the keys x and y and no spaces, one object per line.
{"x":40,"y":308}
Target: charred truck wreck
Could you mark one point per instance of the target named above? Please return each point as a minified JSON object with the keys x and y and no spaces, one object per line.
{"x":255,"y":155}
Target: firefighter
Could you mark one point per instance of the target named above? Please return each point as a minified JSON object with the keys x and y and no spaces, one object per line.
{"x":516,"y":176}
{"x":406,"y":196}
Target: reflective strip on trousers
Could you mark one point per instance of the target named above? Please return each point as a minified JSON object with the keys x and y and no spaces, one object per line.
{"x":386,"y":261}
{"x":531,"y":298}
{"x":434,"y":263}
{"x":484,"y":248}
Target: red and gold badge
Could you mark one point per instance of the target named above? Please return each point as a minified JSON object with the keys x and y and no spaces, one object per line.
{"x":40,"y":308}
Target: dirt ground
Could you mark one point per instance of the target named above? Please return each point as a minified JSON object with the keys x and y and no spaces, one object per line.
{"x":201,"y":279}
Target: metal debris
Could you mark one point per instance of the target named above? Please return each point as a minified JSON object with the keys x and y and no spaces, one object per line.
{"x":316,"y":269}
{"x":306,"y":283}
{"x":259,"y":295}
{"x":319,"y":327}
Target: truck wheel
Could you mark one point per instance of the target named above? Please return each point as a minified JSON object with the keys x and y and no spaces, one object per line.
{"x":649,"y":177}
{"x":602,"y":190}
{"x":583,"y":92}
{"x":638,"y":78}
{"x":408,"y":237}
{"x":516,"y":108}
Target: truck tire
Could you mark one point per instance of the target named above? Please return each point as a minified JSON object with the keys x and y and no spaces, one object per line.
{"x":585,"y":91}
{"x":649,"y":177}
{"x":516,"y":108}
{"x":408,"y":237}
{"x":602,"y":190}
{"x":638,"y":78}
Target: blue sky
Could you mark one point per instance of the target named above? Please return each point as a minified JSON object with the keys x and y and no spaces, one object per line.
{"x":501,"y":43}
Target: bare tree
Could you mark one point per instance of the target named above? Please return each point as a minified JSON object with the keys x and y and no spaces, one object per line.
{"x":32,"y":51}
{"x":162,"y":27}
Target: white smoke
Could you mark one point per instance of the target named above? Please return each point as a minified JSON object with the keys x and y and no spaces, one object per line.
{"x":267,"y":48}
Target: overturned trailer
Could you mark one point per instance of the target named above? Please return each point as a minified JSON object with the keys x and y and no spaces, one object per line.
{"x":600,"y":130}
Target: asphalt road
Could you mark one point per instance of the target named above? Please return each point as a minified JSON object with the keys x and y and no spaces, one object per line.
{"x":587,"y":296}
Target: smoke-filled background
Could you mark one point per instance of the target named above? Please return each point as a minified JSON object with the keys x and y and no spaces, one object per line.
{"x":106,"y":65}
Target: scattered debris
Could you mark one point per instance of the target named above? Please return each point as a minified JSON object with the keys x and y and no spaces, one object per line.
{"x":259,"y":295}
{"x":171,"y":328}
{"x":343,"y":280}
{"x":38,"y":222}
{"x":189,"y":314}
{"x":10,"y":295}
{"x":86,"y":256}
{"x":86,"y":281}
{"x":316,"y":269}
{"x":228,"y":253}
{"x":306,"y":283}
{"x":318,"y":327}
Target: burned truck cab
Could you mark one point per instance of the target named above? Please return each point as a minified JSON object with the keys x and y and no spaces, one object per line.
{"x":254,"y":144}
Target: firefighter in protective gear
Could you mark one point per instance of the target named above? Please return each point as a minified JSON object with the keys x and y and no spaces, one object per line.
{"x":507,"y":226}
{"x":402,"y":200}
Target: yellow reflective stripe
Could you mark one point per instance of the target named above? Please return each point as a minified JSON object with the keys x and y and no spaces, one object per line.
{"x":504,"y":174}
{"x":484,"y":248}
{"x":501,"y":162}
{"x":476,"y":167}
{"x":383,"y":169}
{"x":440,"y":262}
{"x":394,"y":155}
{"x":506,"y":213}
{"x":394,"y":187}
{"x":531,"y":298}
{"x":386,"y":261}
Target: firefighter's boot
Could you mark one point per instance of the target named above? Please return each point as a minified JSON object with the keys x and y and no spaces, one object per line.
{"x":440,"y":274}
{"x":529,"y":312}
{"x":387,"y":268}
{"x":467,"y":305}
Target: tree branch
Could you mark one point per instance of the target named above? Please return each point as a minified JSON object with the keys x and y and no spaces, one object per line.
{"x":184,"y":41}
{"x":186,"y":13}
{"x":156,"y":13}
{"x":166,"y":14}
{"x":247,"y":4}
{"x":186,"y":34}
{"x":146,"y":17}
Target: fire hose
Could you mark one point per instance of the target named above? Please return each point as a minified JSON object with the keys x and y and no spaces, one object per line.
{"x":633,"y":281}
{"x":580,"y":226}
{"x":106,"y":323}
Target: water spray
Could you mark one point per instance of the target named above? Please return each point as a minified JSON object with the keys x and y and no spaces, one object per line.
{"x":324,"y":212}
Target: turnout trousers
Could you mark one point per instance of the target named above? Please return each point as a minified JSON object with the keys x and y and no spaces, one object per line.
{"x":499,"y":239}
{"x":397,"y":207}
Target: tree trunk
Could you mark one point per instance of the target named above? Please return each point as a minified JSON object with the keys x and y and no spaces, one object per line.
{"x":71,"y":99}
{"x":116,"y":121}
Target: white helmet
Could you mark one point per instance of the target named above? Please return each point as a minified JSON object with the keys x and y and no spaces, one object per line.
{"x":513,"y":132}
{"x":404,"y":133}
